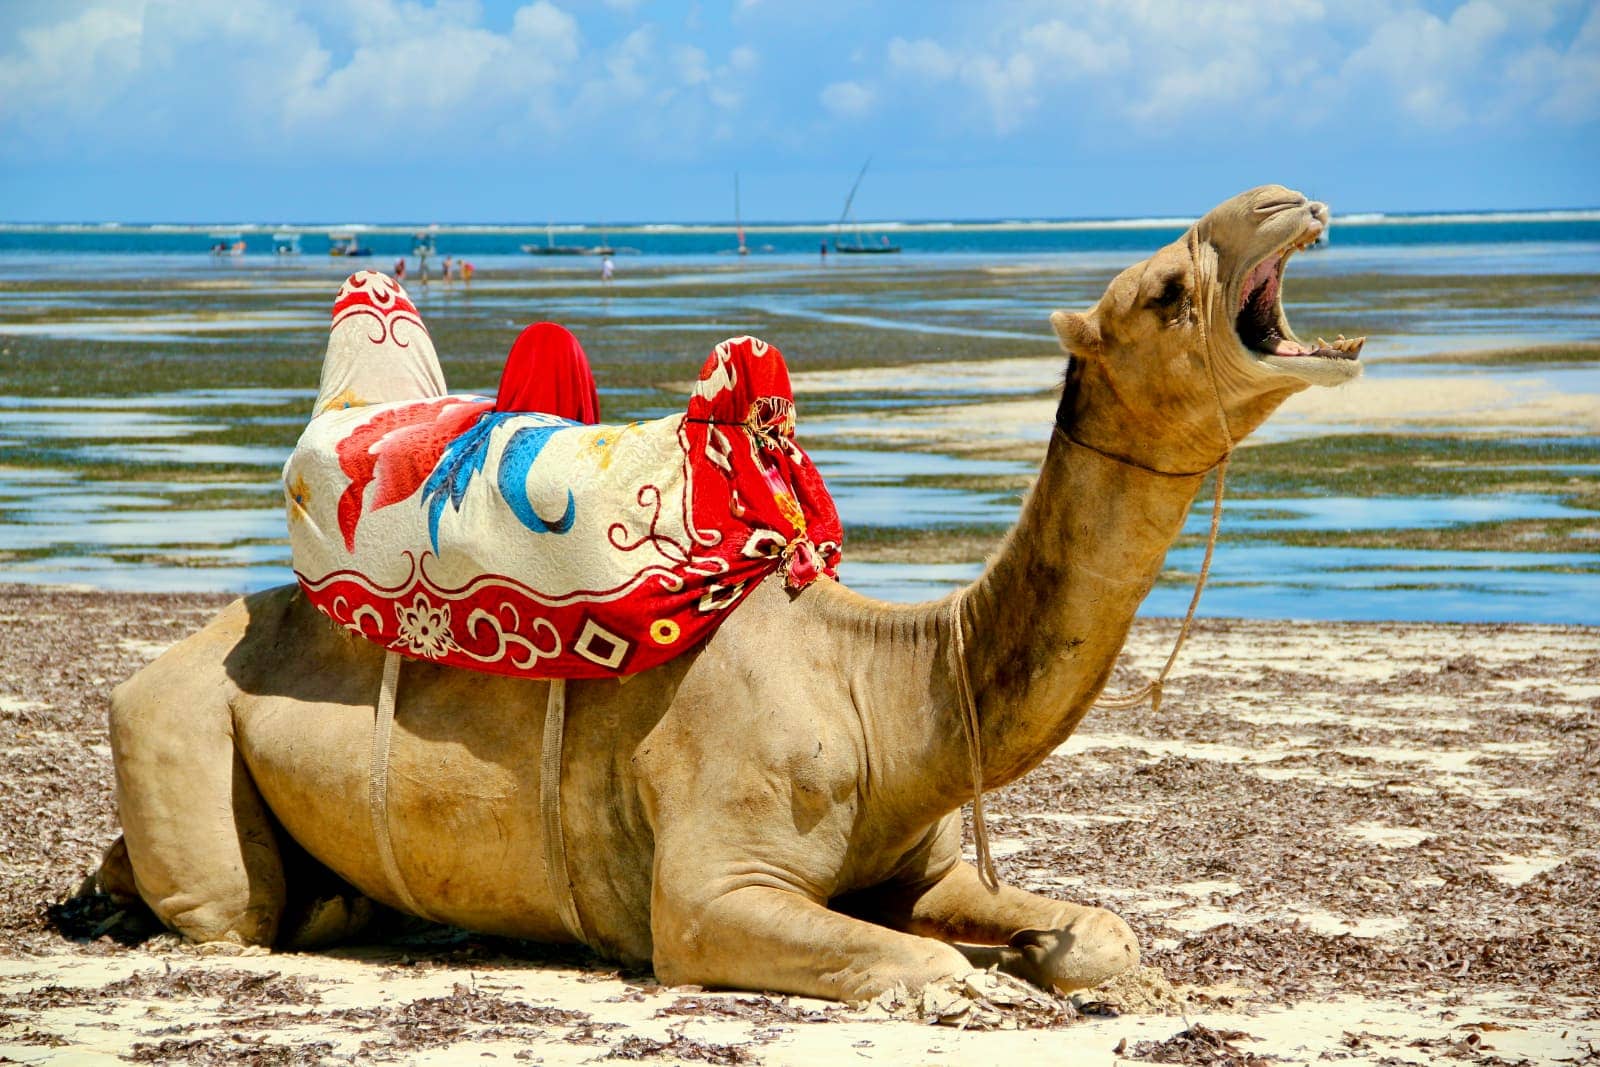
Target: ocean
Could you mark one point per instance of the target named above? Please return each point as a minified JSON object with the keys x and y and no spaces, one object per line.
{"x":981,"y":238}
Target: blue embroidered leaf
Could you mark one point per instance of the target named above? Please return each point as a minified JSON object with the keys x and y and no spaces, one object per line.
{"x":520,"y":453}
{"x":463,"y":460}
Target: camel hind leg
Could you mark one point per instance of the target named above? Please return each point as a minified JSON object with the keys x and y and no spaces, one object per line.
{"x":201,"y":844}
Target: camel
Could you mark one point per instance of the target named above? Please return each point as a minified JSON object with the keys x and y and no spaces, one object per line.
{"x":778,"y":809}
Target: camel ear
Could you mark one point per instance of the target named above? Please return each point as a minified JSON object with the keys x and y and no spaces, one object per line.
{"x":1078,"y":333}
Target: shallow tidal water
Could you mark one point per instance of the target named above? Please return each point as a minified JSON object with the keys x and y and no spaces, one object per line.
{"x":120,"y":472}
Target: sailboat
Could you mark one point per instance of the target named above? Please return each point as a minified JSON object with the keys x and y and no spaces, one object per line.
{"x":738,"y":223}
{"x":860,"y":247}
{"x":738,"y":226}
{"x":550,"y":248}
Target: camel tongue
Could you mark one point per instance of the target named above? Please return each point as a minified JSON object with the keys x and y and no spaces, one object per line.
{"x":1290,"y":348}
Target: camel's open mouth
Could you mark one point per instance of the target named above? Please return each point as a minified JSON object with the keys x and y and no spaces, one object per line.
{"x":1261,"y":324}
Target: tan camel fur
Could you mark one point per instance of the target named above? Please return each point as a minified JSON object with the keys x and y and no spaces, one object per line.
{"x":780,"y":809}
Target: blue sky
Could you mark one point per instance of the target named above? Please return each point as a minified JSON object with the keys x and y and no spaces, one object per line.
{"x":612,"y":110}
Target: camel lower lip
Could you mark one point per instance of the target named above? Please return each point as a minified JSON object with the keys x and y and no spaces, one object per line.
{"x":1343,"y":348}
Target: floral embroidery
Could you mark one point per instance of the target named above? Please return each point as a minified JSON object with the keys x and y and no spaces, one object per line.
{"x":789,"y":508}
{"x":346,"y":399}
{"x":600,"y":448}
{"x":299,"y":496}
{"x":425,"y":629}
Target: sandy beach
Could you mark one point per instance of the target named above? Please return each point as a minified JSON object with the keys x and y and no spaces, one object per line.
{"x":1374,"y":843}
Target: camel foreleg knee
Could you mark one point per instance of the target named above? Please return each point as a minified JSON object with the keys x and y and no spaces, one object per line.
{"x":1051,"y":943}
{"x":765,"y":938}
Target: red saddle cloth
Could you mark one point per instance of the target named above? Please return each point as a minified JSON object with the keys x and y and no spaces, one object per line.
{"x":427,"y":526}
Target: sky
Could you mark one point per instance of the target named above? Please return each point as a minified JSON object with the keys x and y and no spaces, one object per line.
{"x":459,"y":111}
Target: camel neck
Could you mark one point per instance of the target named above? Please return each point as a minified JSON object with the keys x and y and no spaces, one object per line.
{"x":1046,"y":621}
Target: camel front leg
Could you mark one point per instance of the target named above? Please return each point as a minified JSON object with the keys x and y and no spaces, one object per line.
{"x":762,"y":937}
{"x":1051,"y":943}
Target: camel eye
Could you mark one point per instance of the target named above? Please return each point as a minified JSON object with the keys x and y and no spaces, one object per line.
{"x":1171,"y":292}
{"x":1170,"y":299}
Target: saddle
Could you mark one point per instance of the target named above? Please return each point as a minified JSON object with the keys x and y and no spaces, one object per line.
{"x":529,"y":545}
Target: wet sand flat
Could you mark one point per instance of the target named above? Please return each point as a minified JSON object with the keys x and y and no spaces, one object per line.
{"x":144,"y":420}
{"x":1374,"y":843}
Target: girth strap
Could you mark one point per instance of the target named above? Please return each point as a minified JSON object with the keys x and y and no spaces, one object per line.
{"x":555,"y":844}
{"x":378,"y":785}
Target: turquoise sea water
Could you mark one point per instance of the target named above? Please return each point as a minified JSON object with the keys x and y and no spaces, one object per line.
{"x":1390,"y":234}
{"x":59,"y":524}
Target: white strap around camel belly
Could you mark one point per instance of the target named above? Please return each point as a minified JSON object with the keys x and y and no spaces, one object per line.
{"x":378,"y":785}
{"x":555,"y":847}
{"x":555,"y":841}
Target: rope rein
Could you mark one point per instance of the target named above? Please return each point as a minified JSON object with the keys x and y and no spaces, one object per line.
{"x":1151,"y":690}
{"x":969,"y":723}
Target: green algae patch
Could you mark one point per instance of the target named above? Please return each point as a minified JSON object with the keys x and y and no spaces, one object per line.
{"x":1416,"y":465}
{"x":1566,"y":353}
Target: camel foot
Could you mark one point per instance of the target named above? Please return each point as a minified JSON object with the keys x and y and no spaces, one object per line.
{"x":327,"y":921}
{"x":1094,"y":947}
{"x":115,"y":877}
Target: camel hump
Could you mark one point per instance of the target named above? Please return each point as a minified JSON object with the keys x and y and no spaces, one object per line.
{"x":379,"y":350}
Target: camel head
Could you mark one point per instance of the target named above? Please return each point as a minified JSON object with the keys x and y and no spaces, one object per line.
{"x":1195,"y":334}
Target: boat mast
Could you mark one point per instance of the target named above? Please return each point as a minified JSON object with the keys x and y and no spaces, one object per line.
{"x":738,"y":223}
{"x":847,"y":202}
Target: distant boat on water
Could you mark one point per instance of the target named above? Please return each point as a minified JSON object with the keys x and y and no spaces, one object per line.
{"x":738,"y":226}
{"x":883,"y":247}
{"x":550,"y":248}
{"x":742,"y":249}
{"x":227,"y":244}
{"x":285,"y":244}
{"x":346,"y":244}
{"x":738,"y":223}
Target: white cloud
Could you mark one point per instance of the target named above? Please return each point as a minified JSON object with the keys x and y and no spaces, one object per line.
{"x":1574,"y":76}
{"x":847,"y":100}
{"x":691,"y":64}
{"x":1167,"y":63}
{"x":1422,"y":58}
{"x":125,"y":77}
{"x":922,"y":58}
{"x":116,"y":78}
